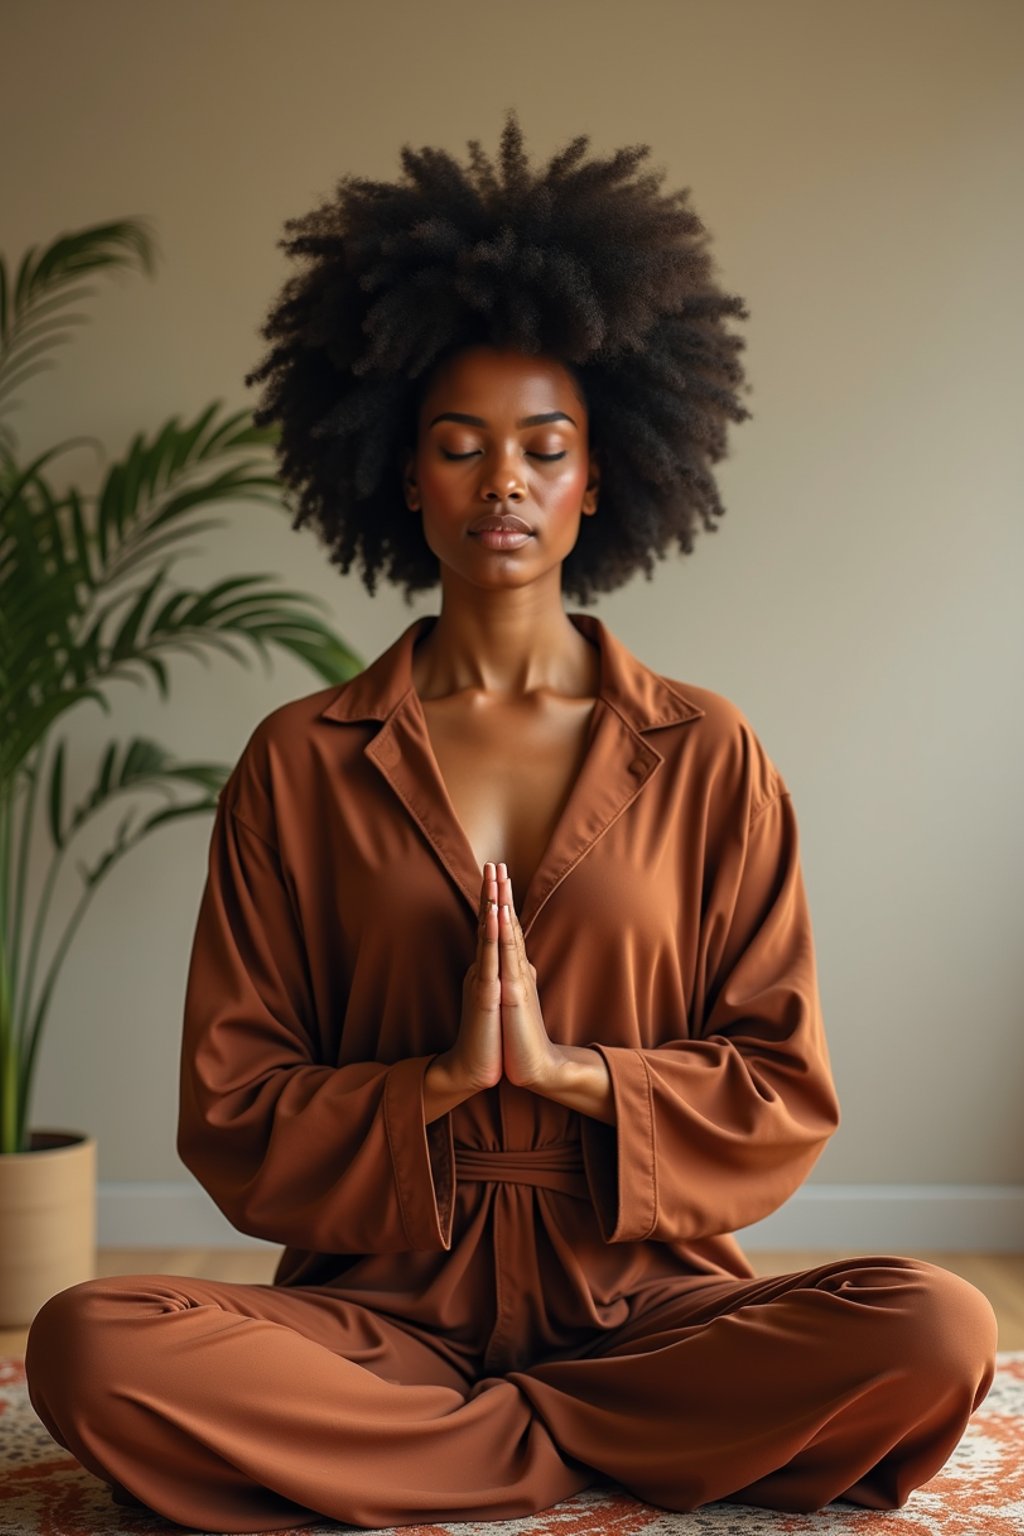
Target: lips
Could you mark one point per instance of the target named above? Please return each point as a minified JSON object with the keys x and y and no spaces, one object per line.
{"x":500,"y":525}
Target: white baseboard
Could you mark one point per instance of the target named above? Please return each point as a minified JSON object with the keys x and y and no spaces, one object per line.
{"x":871,"y":1218}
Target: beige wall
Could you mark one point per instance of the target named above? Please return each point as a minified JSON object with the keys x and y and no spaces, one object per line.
{"x":855,"y":164}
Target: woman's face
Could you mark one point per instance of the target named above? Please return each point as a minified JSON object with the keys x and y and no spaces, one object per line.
{"x":505,"y":434}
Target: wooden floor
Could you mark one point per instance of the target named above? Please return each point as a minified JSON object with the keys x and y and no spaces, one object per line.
{"x":999,"y":1275}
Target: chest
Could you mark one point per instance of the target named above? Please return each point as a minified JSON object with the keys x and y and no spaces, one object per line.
{"x":508,"y":771}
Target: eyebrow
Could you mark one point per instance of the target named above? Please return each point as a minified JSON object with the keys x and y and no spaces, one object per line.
{"x":525,"y":421}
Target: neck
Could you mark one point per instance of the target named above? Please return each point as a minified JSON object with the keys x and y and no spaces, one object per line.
{"x":508,"y":650}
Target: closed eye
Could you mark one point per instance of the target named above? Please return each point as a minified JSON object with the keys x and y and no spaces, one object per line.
{"x":546,"y":456}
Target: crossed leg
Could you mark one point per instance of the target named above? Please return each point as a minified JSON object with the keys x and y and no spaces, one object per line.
{"x":240,"y":1407}
{"x":854,"y":1379}
{"x":245,"y":1407}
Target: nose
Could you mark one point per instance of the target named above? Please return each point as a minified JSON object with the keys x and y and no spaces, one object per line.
{"x":502,"y":480}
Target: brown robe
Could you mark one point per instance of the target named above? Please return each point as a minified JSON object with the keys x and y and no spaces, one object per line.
{"x":669,"y":926}
{"x":477,"y":1317}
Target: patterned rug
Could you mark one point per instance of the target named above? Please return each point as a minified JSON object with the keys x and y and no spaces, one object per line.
{"x":979,"y":1492}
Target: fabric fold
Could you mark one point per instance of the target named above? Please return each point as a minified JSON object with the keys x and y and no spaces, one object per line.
{"x":714,"y":1132}
{"x":332,"y":1158}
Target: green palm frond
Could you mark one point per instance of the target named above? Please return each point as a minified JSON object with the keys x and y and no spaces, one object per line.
{"x":137,"y":764}
{"x":62,"y":556}
{"x":86,"y":598}
{"x":44,"y":285}
{"x":124,"y":768}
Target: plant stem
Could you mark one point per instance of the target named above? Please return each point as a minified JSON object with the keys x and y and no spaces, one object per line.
{"x":32,"y":768}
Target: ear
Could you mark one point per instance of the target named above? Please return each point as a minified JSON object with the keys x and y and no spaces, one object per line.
{"x":589,"y":503}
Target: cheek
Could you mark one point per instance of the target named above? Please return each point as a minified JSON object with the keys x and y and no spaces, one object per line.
{"x":562,"y":493}
{"x":434,"y":483}
{"x":571,"y":483}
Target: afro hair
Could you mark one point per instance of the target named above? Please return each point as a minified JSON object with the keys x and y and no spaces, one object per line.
{"x":588,"y":263}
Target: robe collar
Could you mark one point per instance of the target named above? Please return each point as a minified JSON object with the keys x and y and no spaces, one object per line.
{"x":644,"y":698}
{"x":619,"y":765}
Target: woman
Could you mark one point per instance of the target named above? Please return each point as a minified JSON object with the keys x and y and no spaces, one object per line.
{"x":509,"y":1269}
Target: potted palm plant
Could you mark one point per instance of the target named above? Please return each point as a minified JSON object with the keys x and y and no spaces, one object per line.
{"x":70,"y":623}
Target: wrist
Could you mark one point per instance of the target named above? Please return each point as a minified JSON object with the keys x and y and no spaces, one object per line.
{"x":448,"y":1072}
{"x":553,"y":1071}
{"x":442,"y":1090}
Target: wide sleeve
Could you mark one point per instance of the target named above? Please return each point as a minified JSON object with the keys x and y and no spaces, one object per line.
{"x":332,"y":1159}
{"x":715,"y":1132}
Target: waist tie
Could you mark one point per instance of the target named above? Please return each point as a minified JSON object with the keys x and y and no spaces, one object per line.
{"x":558,"y":1166}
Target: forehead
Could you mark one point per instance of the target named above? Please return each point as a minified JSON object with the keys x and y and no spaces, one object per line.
{"x":502,"y":376}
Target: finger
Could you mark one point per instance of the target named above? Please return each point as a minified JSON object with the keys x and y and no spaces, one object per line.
{"x":517,"y":928}
{"x":487,"y":888}
{"x":509,"y":945}
{"x":524,"y":963}
{"x":489,"y":962}
{"x":485,"y":894}
{"x":487,"y":946}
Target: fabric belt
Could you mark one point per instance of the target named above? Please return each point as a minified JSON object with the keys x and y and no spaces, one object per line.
{"x":558,"y":1166}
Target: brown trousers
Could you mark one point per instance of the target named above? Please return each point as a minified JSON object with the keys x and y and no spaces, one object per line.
{"x":240,"y":1407}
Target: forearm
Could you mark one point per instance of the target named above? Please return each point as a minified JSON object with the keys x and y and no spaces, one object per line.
{"x":581,"y":1081}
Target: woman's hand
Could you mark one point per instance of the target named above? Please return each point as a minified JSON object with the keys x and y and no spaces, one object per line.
{"x":531,"y":1058}
{"x":474,"y":1061}
{"x":502,"y":1026}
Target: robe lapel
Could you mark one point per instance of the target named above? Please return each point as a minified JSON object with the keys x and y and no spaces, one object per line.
{"x":402,"y":752}
{"x":617,"y":766}
{"x":619,"y":763}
